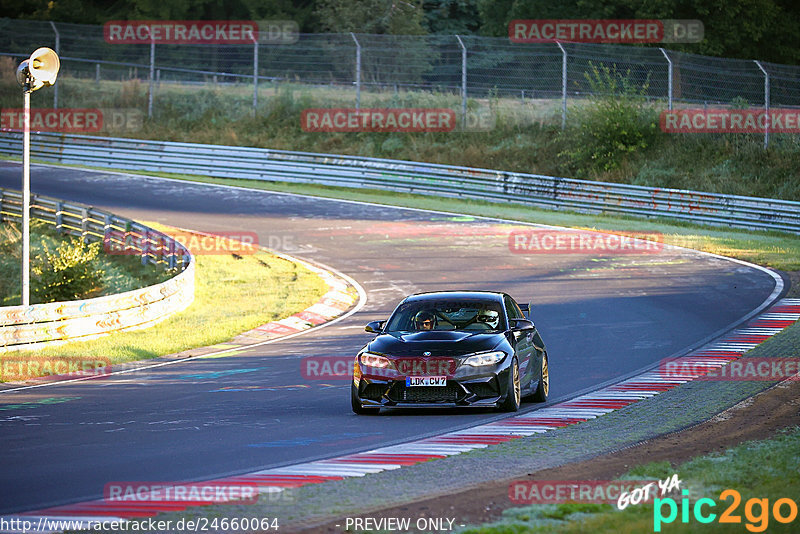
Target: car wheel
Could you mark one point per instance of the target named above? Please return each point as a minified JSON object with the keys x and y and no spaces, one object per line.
{"x":356,"y":403}
{"x":543,"y":389}
{"x":513,"y":397}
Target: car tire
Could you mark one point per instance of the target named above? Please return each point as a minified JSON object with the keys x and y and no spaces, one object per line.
{"x":543,"y":388}
{"x":513,"y":397}
{"x":356,"y":403}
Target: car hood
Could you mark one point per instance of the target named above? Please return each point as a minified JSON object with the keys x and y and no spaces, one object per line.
{"x":437,"y":342}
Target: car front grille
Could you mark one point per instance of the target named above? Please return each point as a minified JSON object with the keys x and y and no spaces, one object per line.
{"x":449,"y":393}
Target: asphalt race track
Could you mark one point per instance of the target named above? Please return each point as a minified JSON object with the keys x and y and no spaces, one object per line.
{"x":601,"y":317}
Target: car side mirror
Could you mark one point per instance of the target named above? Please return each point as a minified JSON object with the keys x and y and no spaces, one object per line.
{"x":521,"y":324}
{"x":374,"y":327}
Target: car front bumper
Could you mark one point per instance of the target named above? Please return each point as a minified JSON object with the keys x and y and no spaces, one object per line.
{"x":480,"y":391}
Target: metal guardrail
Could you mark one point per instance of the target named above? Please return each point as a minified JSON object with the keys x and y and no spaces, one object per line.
{"x":25,"y":327}
{"x":421,"y":178}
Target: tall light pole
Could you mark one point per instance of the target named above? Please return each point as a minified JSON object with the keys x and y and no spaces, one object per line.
{"x":39,"y":70}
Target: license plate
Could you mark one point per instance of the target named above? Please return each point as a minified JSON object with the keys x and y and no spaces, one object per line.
{"x":415,"y":381}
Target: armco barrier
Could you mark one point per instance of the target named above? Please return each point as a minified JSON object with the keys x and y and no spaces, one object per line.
{"x":34,"y":326}
{"x":421,"y":178}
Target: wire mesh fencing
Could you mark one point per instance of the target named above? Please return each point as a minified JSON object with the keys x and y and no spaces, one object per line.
{"x":383,"y":70}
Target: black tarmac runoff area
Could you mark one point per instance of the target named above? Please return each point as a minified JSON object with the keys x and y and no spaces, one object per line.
{"x":601,"y":316}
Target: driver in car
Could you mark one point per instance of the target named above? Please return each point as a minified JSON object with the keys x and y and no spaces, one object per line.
{"x":488,"y":317}
{"x":424,"y":320}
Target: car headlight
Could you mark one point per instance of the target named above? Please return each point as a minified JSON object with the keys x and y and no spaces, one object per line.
{"x":485,"y":358}
{"x":374,"y":360}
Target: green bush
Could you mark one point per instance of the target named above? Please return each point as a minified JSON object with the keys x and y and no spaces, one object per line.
{"x":10,"y":264}
{"x":613,"y":124}
{"x":67,"y":273}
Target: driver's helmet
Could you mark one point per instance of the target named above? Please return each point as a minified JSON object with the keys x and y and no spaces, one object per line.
{"x":488,"y":317}
{"x":425,"y":320}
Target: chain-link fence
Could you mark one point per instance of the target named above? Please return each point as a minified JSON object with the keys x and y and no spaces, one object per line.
{"x":462,"y":67}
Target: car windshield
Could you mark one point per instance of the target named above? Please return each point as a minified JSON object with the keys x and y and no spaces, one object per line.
{"x":447,"y":314}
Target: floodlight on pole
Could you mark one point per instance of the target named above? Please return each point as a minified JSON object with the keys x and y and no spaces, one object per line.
{"x":39,"y":70}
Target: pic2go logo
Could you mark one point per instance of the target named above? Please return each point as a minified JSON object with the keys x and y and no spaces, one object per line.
{"x":756,"y":511}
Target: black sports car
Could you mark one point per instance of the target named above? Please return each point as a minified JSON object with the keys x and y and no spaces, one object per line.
{"x":452,"y":348}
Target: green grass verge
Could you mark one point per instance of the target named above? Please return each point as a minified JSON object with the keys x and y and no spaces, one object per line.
{"x":771,"y":249}
{"x":232,"y":295}
{"x":764,"y":469}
